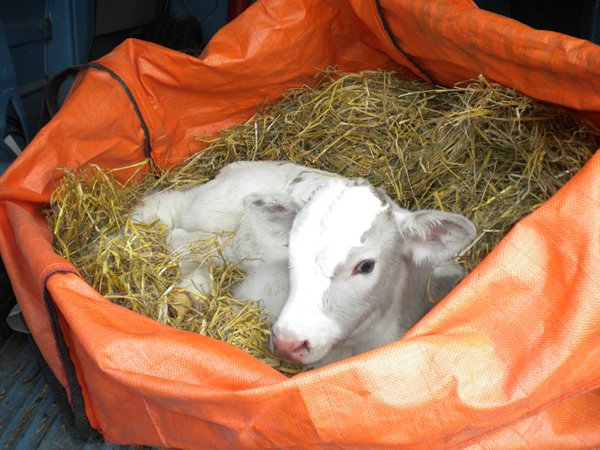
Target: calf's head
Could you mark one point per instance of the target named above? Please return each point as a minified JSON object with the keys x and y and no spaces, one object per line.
{"x":351,"y":251}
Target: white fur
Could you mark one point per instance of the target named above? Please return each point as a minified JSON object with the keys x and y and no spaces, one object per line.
{"x":326,"y":311}
{"x":225,"y":203}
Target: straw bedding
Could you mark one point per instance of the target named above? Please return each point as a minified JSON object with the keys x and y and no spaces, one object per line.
{"x":479,"y":149}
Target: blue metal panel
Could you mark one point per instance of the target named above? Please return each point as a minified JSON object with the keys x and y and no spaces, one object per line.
{"x":27,"y":50}
{"x":37,"y":40}
{"x":9,"y":100}
{"x":72,"y":33}
{"x":26,"y":32}
{"x":29,"y":416}
{"x":44,"y":37}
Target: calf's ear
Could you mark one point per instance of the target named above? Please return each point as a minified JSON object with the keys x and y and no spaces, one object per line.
{"x":434,"y":236}
{"x":274,"y":211}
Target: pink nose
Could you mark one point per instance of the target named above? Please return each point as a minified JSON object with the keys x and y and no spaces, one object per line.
{"x":293,"y":351}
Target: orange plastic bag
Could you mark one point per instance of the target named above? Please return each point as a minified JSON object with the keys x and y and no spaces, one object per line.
{"x":510,"y":359}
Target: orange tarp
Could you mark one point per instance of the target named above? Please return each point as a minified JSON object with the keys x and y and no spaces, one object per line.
{"x":510,"y":359}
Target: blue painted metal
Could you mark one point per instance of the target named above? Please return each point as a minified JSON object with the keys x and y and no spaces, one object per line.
{"x":28,"y":31}
{"x":72,"y":33}
{"x":30,"y":418}
{"x":27,"y":53}
{"x":9,"y":100}
{"x":43,"y":38}
{"x":37,"y":40}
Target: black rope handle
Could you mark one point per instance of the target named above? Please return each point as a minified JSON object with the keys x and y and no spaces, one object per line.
{"x":50,"y":102}
{"x":50,"y":99}
{"x":394,"y":42}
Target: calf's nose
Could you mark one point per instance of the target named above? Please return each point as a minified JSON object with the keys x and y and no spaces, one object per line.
{"x":290,"y":350}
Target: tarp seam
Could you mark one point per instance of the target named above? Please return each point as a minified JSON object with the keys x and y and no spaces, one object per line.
{"x":80,"y":418}
{"x":394,"y":42}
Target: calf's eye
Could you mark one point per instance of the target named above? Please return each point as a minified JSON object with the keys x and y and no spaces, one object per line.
{"x":364,"y":267}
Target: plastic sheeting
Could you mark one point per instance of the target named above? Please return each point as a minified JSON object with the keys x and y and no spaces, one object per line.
{"x":508,"y":360}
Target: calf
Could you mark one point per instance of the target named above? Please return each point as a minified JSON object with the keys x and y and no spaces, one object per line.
{"x":359,"y":265}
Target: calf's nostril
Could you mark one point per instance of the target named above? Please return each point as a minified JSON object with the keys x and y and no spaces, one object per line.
{"x":298,"y":346}
{"x":304,"y":346}
{"x":291,"y":350}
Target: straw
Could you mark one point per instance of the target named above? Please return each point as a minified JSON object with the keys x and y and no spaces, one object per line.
{"x":477,"y":149}
{"x":481,"y":149}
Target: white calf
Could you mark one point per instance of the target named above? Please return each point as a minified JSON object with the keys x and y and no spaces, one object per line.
{"x":246,"y":197}
{"x":359,"y":264}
